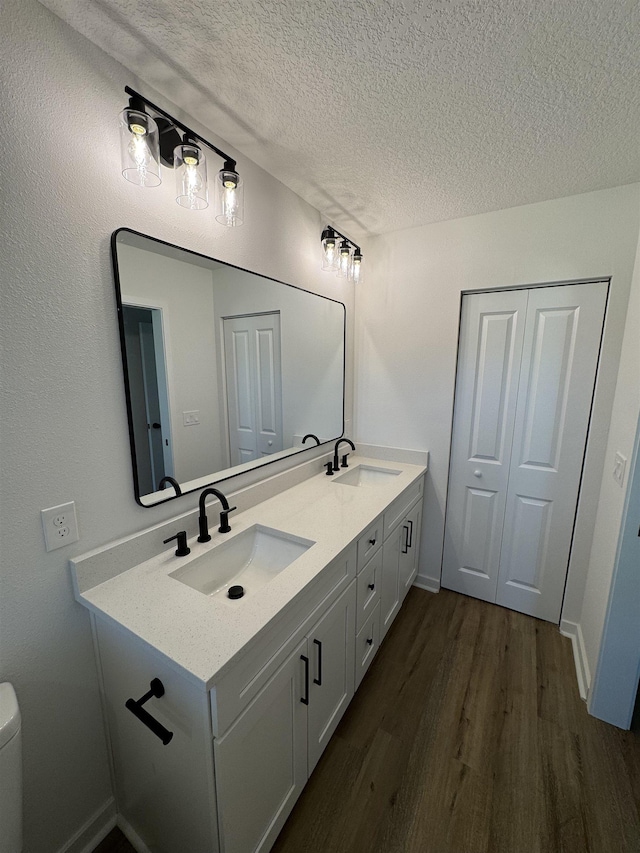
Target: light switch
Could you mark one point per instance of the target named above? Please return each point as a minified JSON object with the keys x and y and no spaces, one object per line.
{"x":191,"y":418}
{"x":619,"y":467}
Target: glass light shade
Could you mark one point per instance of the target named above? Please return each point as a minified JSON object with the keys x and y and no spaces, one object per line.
{"x":229,"y":198}
{"x":329,"y":250}
{"x":356,"y":266}
{"x":345,"y":259}
{"x":190,"y":166}
{"x":139,"y":148}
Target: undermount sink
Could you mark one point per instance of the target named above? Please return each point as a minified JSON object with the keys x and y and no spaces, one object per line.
{"x":251,"y":559}
{"x":366,"y":475}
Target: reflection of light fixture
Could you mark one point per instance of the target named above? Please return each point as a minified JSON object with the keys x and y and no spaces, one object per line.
{"x":343,"y":257}
{"x":147,"y":141}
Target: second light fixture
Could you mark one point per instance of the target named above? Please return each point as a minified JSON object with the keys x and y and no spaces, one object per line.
{"x":341,"y":255}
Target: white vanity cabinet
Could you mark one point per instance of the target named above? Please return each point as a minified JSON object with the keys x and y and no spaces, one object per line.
{"x":399,"y":553}
{"x":247,"y":733}
{"x":263,"y":761}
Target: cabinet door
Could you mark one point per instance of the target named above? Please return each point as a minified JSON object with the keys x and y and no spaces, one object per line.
{"x":261,"y":762}
{"x":390,"y":589}
{"x":409,"y":549}
{"x":331,"y":648}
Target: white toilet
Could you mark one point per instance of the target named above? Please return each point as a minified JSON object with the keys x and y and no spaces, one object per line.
{"x":10,"y":772}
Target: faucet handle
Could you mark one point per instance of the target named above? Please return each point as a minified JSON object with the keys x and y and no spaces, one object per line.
{"x":183,"y":549}
{"x":329,"y":467}
{"x":344,"y":463}
{"x":225,"y":527}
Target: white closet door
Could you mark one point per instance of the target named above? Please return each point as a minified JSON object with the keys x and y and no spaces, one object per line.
{"x":254,"y":385}
{"x":491,"y":336}
{"x":557,"y":376}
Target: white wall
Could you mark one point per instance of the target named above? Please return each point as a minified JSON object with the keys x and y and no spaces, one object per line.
{"x":624,"y":423}
{"x":407,"y":315}
{"x":64,"y":429}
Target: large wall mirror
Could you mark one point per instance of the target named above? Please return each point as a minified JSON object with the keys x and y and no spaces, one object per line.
{"x":225,"y":370}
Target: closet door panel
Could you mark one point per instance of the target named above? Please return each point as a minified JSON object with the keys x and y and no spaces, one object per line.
{"x":491,"y":337}
{"x":557,"y":377}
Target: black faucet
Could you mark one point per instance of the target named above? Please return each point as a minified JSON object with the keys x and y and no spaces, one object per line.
{"x":336,"y":461}
{"x":203,"y":524}
{"x":311,"y":435}
{"x":172,"y":482}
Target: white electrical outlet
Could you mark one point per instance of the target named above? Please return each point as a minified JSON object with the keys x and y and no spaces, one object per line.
{"x":60,"y":525}
{"x":619,"y":466}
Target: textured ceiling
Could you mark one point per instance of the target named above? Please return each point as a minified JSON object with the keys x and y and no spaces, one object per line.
{"x":386,"y":115}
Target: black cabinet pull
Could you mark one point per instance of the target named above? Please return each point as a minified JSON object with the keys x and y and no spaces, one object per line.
{"x":410,"y":545}
{"x":135,"y":706}
{"x":372,"y":586}
{"x":370,"y":642}
{"x":405,"y":547}
{"x":318,"y":680}
{"x":305,"y":699}
{"x":372,"y":541}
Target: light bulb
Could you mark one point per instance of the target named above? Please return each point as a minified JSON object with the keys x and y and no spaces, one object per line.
{"x":190,"y":167}
{"x":329,"y":250}
{"x":229,"y":198}
{"x":357,"y":266}
{"x":345,"y":259}
{"x":139,"y":148}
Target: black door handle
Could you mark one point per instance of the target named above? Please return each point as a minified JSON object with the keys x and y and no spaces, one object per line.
{"x":318,"y":680}
{"x":405,"y":547}
{"x":305,"y":699}
{"x":155,"y":425}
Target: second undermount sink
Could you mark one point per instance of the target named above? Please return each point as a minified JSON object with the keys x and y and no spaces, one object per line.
{"x":251,"y":559}
{"x":366,"y":475}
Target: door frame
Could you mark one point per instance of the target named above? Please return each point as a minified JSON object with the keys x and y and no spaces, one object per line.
{"x":534,"y":286}
{"x":163,"y":358}
{"x":612,"y":696}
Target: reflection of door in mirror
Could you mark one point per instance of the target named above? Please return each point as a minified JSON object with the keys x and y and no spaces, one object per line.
{"x":144,"y":341}
{"x":253,"y":377}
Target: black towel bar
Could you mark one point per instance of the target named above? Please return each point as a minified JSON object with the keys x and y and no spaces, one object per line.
{"x":135,"y":706}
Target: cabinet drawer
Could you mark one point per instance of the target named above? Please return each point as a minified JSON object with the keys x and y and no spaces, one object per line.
{"x":271,"y":647}
{"x":396,"y":512}
{"x":368,"y":593}
{"x":369,"y":542}
{"x":367,"y":642}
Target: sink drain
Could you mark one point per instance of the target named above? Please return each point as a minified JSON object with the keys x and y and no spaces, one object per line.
{"x":235,"y":591}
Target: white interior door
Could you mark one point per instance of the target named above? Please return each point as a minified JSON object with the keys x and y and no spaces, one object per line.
{"x":524,"y":389}
{"x":491,"y":335}
{"x":254,"y":385}
{"x":557,"y":376}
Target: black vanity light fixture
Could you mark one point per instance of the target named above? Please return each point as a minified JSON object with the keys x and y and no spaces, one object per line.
{"x":341,"y":255}
{"x":149,"y":136}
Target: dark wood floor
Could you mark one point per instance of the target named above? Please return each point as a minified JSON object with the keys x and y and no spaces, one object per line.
{"x":467,"y":736}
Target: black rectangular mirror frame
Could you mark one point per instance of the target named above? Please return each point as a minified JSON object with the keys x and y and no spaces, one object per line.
{"x":119,"y":306}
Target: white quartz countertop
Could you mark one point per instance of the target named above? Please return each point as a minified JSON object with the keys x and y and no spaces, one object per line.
{"x":202,"y":635}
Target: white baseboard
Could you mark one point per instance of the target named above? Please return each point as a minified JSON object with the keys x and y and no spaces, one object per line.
{"x":132,"y":836}
{"x":574,"y":632}
{"x":93,"y":831}
{"x":430,"y":584}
